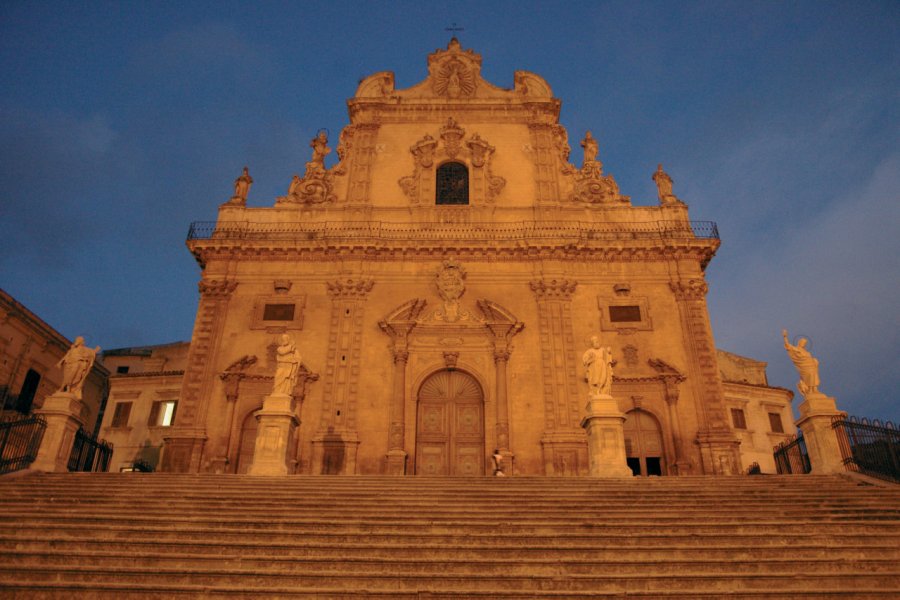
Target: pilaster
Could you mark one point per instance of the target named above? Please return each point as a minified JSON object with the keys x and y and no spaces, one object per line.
{"x":564,"y":441}
{"x":338,"y":420}
{"x":185,"y":442}
{"x":718,"y":444}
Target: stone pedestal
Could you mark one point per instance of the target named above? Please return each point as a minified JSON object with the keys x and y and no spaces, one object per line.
{"x":816,"y":414}
{"x":62,"y":411}
{"x":396,"y":462}
{"x":606,"y":437}
{"x":277,"y":422}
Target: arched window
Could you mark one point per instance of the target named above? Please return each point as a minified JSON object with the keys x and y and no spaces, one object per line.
{"x":452,"y":184}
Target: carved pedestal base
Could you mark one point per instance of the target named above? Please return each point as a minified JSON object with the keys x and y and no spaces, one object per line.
{"x":183,"y":449}
{"x":62,"y":411}
{"x":816,"y":413}
{"x":565,"y":453}
{"x":276,"y":424}
{"x":334,"y":452}
{"x":606,"y":437}
{"x":720,"y":452}
{"x":396,"y":462}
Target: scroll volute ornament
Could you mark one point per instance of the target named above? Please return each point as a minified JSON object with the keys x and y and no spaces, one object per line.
{"x":423,"y":151}
{"x":480,"y":149}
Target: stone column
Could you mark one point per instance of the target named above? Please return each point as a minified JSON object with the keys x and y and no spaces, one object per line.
{"x":816,"y":414}
{"x":606,"y":437}
{"x":682,"y":464}
{"x":62,"y":411}
{"x":276,"y":424}
{"x":501,"y":359}
{"x":232,"y":380}
{"x":396,"y":456}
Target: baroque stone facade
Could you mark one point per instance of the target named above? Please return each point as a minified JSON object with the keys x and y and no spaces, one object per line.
{"x":442,"y":280}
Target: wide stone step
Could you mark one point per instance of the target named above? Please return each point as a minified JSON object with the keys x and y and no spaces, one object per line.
{"x":225,"y":527}
{"x":250,"y":547}
{"x":888,"y":583}
{"x":445,"y":564}
{"x":115,"y":591}
{"x":27,"y":531}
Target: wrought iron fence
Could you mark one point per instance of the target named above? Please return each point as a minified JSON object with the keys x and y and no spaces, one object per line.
{"x":19,"y":442}
{"x":791,"y":456}
{"x":869,"y":447}
{"x":89,"y":454}
{"x":471,"y":231}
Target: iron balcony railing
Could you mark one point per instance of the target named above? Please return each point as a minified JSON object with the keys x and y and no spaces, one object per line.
{"x":869,"y":447}
{"x":791,"y":456}
{"x":478,"y":231}
{"x":89,"y":454}
{"x":19,"y":442}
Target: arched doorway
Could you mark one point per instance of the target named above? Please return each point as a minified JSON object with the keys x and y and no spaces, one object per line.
{"x":450,"y":425}
{"x":644,"y":443}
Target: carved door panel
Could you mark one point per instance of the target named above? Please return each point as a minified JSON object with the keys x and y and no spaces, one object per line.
{"x":450,"y":426}
{"x":643,"y":444}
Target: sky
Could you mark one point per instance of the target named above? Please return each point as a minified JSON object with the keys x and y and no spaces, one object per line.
{"x":123,"y":122}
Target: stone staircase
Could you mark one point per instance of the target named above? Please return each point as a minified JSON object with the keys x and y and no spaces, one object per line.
{"x":137,"y":535}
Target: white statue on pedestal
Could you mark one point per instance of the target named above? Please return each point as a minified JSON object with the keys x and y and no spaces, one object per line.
{"x":807,"y":365}
{"x":287,"y":366}
{"x":76,"y":365}
{"x":598,"y":365}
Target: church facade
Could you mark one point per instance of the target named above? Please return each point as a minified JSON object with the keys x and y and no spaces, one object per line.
{"x":441,"y":281}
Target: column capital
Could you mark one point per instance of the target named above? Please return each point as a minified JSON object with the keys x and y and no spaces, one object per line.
{"x":221,"y":288}
{"x":553,"y":289}
{"x":689,"y":289}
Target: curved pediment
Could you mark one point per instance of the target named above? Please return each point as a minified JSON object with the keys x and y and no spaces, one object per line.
{"x":454,"y":74}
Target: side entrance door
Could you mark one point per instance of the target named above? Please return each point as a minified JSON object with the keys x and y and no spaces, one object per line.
{"x":450,"y":425}
{"x":643,"y":443}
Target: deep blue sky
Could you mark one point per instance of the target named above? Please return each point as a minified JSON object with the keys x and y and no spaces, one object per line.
{"x":120,"y":123}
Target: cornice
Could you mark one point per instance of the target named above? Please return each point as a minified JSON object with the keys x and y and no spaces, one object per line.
{"x":702,"y":251}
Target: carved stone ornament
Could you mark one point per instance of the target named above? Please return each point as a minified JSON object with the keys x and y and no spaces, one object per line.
{"x":450,"y":281}
{"x":211,"y":287}
{"x":664,"y":187}
{"x":454,"y":79}
{"x":427,"y":152}
{"x":452,"y":134}
{"x":316,"y":186}
{"x":553,"y":288}
{"x":591,"y":185}
{"x":692,"y":289}
{"x":241,"y":188}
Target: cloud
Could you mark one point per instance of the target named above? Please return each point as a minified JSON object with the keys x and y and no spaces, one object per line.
{"x":832,"y":277}
{"x":50,"y":164}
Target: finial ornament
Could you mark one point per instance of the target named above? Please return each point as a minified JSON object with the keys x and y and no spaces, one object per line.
{"x":242,"y":187}
{"x":807,"y":365}
{"x":76,"y":365}
{"x":664,"y":187}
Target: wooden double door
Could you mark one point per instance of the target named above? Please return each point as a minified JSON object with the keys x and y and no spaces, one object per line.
{"x":450,"y":425}
{"x":644,"y":444}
